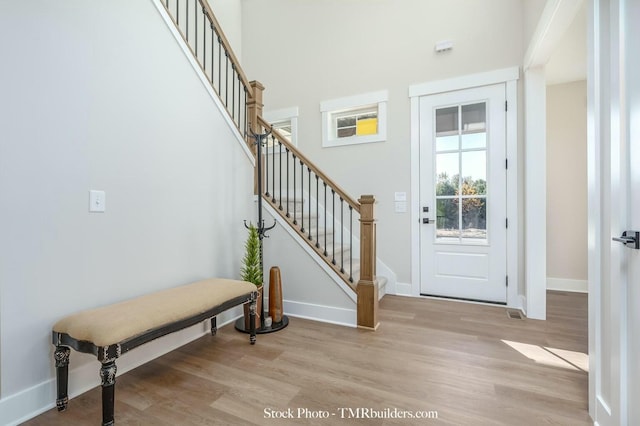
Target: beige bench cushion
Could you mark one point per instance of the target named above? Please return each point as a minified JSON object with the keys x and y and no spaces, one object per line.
{"x":118,"y":322}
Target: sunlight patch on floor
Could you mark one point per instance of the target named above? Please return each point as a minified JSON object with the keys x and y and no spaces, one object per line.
{"x":554,"y":357}
{"x":578,"y":359}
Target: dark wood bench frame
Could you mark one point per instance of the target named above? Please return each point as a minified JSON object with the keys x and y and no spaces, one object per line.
{"x":107,"y":355}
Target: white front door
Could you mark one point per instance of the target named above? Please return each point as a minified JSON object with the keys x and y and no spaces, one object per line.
{"x":463,"y":194}
{"x":614,"y":207}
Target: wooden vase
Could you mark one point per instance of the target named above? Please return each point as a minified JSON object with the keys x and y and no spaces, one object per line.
{"x":258,"y":311}
{"x":275,"y":295}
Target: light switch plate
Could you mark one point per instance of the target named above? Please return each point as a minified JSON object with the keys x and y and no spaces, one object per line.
{"x":401,"y":206}
{"x":400,"y":196}
{"x":97,"y":201}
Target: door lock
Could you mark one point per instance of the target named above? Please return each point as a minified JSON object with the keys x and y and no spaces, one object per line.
{"x":630,"y":239}
{"x":426,"y":219}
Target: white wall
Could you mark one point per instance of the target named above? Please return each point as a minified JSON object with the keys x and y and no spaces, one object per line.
{"x":567,"y":182}
{"x":98,"y":95}
{"x":229,"y":15}
{"x":337,"y":48}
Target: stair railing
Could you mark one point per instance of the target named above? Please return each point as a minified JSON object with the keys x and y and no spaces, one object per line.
{"x":321,"y":212}
{"x":325,"y":216}
{"x":315,"y":206}
{"x":200,"y":29}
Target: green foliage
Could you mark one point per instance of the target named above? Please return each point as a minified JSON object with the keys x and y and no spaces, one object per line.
{"x":251,"y":270}
{"x":473,"y":209}
{"x":446,"y":185}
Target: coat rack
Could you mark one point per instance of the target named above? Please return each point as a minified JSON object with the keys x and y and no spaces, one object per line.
{"x":260,"y":142}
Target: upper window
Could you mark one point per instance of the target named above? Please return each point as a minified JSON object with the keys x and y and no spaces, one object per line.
{"x":354,"y":120}
{"x":359,"y":122}
{"x":285,"y":121}
{"x":284,"y":127}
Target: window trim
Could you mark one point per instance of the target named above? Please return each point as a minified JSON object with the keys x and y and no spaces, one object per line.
{"x":333,"y":107}
{"x":285,"y":114}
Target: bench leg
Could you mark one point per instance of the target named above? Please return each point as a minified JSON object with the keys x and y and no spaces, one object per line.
{"x":61,"y":357}
{"x":252,"y":321}
{"x":214,"y":326}
{"x":108,"y":377}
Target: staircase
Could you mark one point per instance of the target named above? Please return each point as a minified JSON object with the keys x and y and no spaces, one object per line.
{"x":340,"y":230}
{"x":321,"y":212}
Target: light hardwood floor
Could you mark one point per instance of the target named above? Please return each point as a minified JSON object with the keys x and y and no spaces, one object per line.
{"x":428,"y":355}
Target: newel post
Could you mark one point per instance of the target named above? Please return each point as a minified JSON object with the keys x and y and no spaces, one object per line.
{"x":254,"y":110}
{"x":255,"y":105}
{"x":367,"y":288}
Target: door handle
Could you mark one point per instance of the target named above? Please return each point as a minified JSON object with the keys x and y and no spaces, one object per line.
{"x":426,"y":219}
{"x":630,"y":239}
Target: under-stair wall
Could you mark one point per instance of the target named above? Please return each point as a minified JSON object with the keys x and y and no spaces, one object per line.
{"x":310,"y":288}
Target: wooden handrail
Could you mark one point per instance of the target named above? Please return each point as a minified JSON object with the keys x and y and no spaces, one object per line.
{"x":227,"y":45}
{"x":341,"y":192}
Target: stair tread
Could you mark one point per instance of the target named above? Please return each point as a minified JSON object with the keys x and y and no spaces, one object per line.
{"x":324,"y":238}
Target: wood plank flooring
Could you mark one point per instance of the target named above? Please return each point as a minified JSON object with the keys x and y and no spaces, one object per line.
{"x":428,"y":355}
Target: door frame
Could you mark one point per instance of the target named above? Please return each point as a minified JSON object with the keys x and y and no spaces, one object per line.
{"x":509,"y":77}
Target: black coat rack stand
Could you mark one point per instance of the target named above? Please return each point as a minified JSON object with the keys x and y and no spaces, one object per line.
{"x":260,"y":141}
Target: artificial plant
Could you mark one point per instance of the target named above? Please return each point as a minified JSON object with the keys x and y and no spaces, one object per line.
{"x":251,"y":270}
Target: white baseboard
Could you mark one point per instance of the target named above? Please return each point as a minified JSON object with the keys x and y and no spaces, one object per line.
{"x":384,"y":271}
{"x":24,"y":405}
{"x":28,"y":403}
{"x":565,"y":284}
{"x":403,"y":289}
{"x":328,"y":314}
{"x":384,"y":288}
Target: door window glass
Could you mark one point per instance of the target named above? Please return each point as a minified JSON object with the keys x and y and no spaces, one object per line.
{"x":461,"y":173}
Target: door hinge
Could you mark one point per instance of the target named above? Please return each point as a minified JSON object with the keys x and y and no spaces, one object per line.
{"x":506,"y":163}
{"x":506,"y":105}
{"x":506,"y":223}
{"x":506,"y":281}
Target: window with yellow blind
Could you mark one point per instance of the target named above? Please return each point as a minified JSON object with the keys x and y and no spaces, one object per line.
{"x":354,"y":120}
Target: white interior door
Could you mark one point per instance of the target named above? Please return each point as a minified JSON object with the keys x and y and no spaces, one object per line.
{"x":631,"y":15}
{"x":463,"y":194}
{"x":614,"y":179}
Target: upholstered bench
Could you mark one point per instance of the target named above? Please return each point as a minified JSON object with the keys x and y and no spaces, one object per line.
{"x":110,"y":331}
